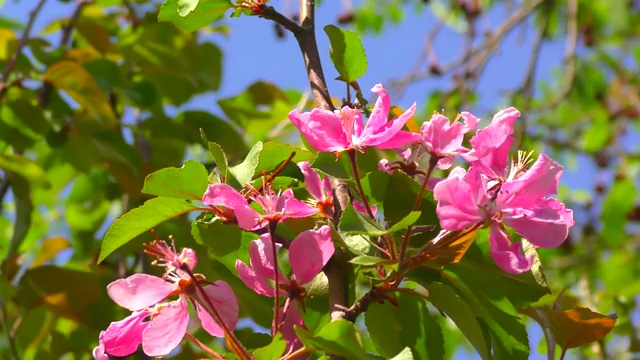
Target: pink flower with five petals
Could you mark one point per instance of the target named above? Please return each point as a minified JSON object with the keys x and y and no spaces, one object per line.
{"x":157,"y":325}
{"x":464,"y":199}
{"x":345,"y":130}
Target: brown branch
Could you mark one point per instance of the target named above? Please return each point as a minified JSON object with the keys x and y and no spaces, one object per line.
{"x":569,"y":55}
{"x":23,"y":41}
{"x":45,"y":91}
{"x":480,"y":54}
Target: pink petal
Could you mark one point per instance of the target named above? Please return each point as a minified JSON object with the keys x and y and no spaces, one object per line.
{"x":509,"y":257}
{"x":310,"y":252}
{"x":312,"y":180}
{"x":123,"y":337}
{"x":166,"y":330}
{"x":225,"y":302}
{"x":486,"y":141}
{"x":380,"y":113}
{"x":254,"y":282}
{"x":400,"y":139}
{"x":223,"y":195}
{"x":296,"y":208}
{"x":321,"y":128}
{"x":291,"y":318}
{"x":99,"y":352}
{"x":540,"y":180}
{"x":358,"y":206}
{"x":139,"y":291}
{"x":248,"y":219}
{"x":546,"y":225}
{"x":440,"y":137}
{"x":494,"y":163}
{"x":470,"y":121}
{"x":457,"y":207}
{"x":506,"y":118}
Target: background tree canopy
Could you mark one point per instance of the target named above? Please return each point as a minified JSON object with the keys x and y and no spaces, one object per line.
{"x":97,"y":95}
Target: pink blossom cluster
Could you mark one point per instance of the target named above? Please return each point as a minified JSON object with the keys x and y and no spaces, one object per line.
{"x":160,"y":325}
{"x":492,"y":191}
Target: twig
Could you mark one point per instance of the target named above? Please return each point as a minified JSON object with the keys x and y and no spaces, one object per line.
{"x":569,"y":55}
{"x":23,"y":41}
{"x":483,"y":51}
{"x":45,"y":90}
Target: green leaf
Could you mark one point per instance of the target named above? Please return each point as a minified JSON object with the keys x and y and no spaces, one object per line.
{"x":403,"y":190}
{"x":405,"y":354}
{"x":617,"y":204}
{"x":339,"y":338}
{"x":187,"y":182}
{"x":78,"y":83}
{"x":187,"y":17}
{"x":446,"y":300}
{"x":24,"y":209}
{"x":273,"y":153}
{"x":355,"y":222}
{"x":224,"y":241}
{"x":141,"y":219}
{"x":347,"y":53}
{"x":220,"y":159}
{"x":26,"y":168}
{"x":187,"y":6}
{"x":274,"y":350}
{"x":366,"y":260}
{"x":6,"y":289}
{"x":244,"y":171}
{"x":393,"y":328}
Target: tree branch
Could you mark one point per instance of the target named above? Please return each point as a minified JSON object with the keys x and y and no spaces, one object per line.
{"x":23,"y":41}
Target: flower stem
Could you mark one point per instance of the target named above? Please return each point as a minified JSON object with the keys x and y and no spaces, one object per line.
{"x":202,"y":346}
{"x":276,"y":290}
{"x":352,"y":160}
{"x":433,"y":161}
{"x":203,"y":299}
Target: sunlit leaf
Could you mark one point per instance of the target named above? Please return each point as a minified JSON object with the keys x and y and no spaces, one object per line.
{"x":408,"y":324}
{"x":50,"y":247}
{"x":141,"y":219}
{"x":273,"y":351}
{"x":26,"y":168}
{"x":339,"y":337}
{"x":77,"y":82}
{"x":191,"y":15}
{"x":572,"y":328}
{"x":187,"y":182}
{"x":347,"y":53}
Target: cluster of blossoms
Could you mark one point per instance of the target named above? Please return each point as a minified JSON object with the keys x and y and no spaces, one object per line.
{"x":158,"y":325}
{"x":491,"y":192}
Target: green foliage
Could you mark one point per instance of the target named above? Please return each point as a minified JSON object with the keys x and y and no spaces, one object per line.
{"x":347,"y":53}
{"x":191,"y":15}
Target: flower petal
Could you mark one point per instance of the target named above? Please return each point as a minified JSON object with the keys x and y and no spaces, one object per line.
{"x":379,"y":114}
{"x":123,"y":337}
{"x":509,"y":257}
{"x":540,"y":180}
{"x":321,"y":128}
{"x":139,"y":291}
{"x":166,"y":330}
{"x":291,"y":318}
{"x":254,"y":282}
{"x":248,"y":219}
{"x":457,"y":207}
{"x":546,"y":224}
{"x":312,"y":180}
{"x":310,"y":252}
{"x":226,"y":304}
{"x":223,"y":195}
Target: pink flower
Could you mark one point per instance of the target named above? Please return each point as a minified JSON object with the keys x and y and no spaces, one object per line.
{"x":465,"y":199}
{"x":344,"y":129}
{"x":490,"y":146}
{"x":308,"y":254}
{"x":160,"y":326}
{"x":276,"y":206}
{"x":443,"y":139}
{"x":322,"y":193}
